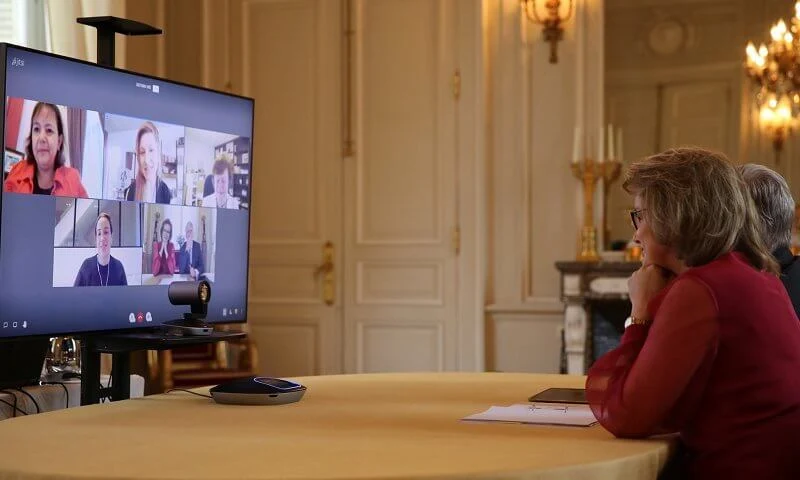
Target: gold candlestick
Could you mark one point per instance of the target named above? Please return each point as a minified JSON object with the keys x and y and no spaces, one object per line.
{"x":588,"y":171}
{"x":611,"y":171}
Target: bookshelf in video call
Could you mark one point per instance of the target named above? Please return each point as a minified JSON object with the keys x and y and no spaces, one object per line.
{"x":121,"y":345}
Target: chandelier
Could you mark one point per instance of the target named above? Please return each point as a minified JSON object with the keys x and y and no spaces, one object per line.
{"x":775,"y":70}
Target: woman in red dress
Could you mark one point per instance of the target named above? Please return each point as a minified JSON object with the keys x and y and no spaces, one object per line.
{"x":713,"y":351}
{"x":164,"y":252}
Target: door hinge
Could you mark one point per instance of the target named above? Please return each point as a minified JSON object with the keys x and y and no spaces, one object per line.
{"x":456,"y":239}
{"x":457,"y":84}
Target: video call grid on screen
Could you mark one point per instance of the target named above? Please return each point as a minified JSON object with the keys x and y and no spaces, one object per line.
{"x":145,"y":182}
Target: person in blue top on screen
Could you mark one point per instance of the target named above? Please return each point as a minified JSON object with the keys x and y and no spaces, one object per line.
{"x":101,"y":269}
{"x":148,"y":186}
{"x":190,"y":260}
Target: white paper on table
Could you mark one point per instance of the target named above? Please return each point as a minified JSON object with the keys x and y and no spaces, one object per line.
{"x":548,"y":414}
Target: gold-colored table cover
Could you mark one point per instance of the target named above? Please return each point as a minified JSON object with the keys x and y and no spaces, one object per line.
{"x":346,"y":426}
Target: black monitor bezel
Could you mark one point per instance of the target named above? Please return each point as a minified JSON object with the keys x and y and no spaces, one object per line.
{"x":4,"y":49}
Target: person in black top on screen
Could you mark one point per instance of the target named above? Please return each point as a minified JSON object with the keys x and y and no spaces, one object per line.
{"x":148,"y":186}
{"x":775,"y":205}
{"x":101,"y":269}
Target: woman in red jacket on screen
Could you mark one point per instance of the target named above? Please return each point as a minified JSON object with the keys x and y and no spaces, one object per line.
{"x":43,"y":171}
{"x":713,"y":351}
{"x":164,"y":252}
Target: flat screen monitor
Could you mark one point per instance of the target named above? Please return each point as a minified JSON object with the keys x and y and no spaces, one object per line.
{"x":115,"y":185}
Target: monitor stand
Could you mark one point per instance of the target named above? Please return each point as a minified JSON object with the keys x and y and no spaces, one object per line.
{"x":187,"y":326}
{"x":121,"y":345}
{"x":21,"y":361}
{"x":108,"y":26}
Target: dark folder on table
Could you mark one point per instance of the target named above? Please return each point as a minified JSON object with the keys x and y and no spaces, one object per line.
{"x":560,"y":395}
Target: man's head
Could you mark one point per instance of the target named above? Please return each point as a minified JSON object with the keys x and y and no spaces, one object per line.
{"x":774,"y":203}
{"x":189,"y":231}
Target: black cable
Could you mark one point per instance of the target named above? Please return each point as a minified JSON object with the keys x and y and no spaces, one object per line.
{"x":188,"y":391}
{"x":66,"y":392}
{"x":13,"y":395}
{"x":108,"y":386}
{"x":38,"y":410}
{"x":100,"y":393}
{"x":14,"y":407}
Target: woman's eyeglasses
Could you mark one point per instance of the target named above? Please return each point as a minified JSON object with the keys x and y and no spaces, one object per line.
{"x":636,"y":217}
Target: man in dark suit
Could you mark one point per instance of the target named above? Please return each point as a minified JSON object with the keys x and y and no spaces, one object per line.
{"x":775,"y":205}
{"x":191,"y":257}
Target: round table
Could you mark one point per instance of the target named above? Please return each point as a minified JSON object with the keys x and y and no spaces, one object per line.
{"x":346,"y":426}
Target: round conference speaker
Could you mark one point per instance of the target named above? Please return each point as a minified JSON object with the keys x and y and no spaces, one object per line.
{"x":258,"y":391}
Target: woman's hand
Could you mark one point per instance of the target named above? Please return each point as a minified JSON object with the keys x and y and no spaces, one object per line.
{"x":645,"y":284}
{"x":163,"y":250}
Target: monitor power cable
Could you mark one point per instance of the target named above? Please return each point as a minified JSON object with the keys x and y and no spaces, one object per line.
{"x":188,"y":391}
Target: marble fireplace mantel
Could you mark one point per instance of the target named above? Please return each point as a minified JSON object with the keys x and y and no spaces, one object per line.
{"x":583,"y":283}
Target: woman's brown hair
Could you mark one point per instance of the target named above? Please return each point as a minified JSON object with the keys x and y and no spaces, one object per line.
{"x":696,"y":203}
{"x":59,"y":160}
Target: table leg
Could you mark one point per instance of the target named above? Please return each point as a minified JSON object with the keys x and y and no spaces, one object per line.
{"x":121,"y":376}
{"x":90,"y":372}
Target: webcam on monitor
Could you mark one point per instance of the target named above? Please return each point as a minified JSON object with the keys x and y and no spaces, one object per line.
{"x":196,"y":295}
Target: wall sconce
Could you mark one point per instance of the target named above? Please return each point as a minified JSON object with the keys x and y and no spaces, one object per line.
{"x":556,"y":12}
{"x":776,"y":118}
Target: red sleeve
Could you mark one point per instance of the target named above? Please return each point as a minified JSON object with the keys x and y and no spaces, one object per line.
{"x":156,"y":263}
{"x":633,"y":388}
{"x":76,"y":186}
{"x":82,"y":193}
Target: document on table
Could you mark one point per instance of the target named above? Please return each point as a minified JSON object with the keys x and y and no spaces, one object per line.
{"x":575,"y":415}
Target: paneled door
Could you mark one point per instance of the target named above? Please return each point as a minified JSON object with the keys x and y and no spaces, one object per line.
{"x":400,"y":188}
{"x":656,"y":117}
{"x":290,"y":63}
{"x":354,"y":157}
{"x":697,"y":113}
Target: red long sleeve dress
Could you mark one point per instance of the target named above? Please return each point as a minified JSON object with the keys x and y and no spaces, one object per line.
{"x":719,"y":363}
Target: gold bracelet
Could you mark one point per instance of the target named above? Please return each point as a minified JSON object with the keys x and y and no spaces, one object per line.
{"x":639,"y":320}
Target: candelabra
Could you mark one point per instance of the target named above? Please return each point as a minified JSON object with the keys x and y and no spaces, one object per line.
{"x":611,"y":170}
{"x":588,"y":171}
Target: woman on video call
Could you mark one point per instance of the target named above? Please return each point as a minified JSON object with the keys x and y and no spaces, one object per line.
{"x":221,"y":173}
{"x":101,"y":269}
{"x":148,"y":186}
{"x":164,"y":252}
{"x":43,"y":171}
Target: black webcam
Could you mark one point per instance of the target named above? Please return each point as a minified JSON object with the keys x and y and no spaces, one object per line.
{"x":196,"y":295}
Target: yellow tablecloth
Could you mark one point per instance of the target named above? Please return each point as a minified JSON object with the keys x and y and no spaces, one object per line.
{"x":346,"y":426}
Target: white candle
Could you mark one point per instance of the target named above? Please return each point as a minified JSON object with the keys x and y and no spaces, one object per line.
{"x":619,"y":144}
{"x":601,"y":153}
{"x":611,"y":155}
{"x":576,"y":141}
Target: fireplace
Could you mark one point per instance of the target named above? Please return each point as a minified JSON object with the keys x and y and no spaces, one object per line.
{"x":595,"y":296}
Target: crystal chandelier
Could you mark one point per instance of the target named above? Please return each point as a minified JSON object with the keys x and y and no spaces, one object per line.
{"x":775,"y":70}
